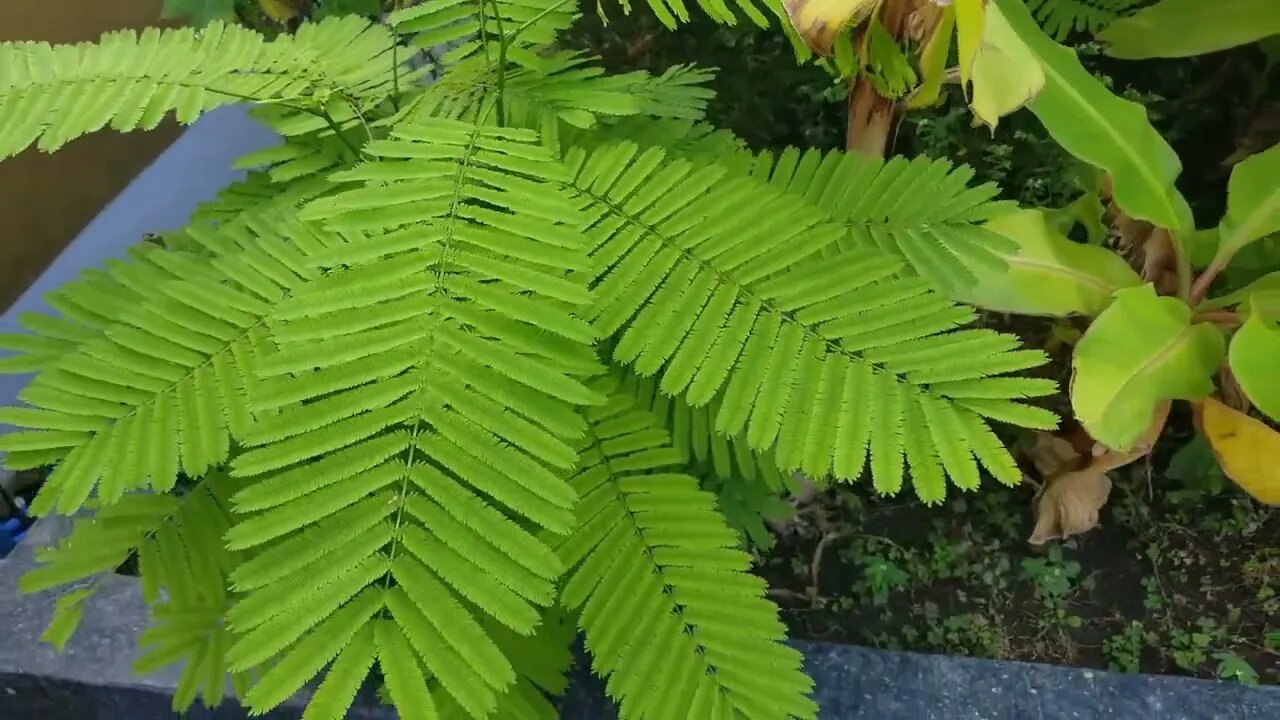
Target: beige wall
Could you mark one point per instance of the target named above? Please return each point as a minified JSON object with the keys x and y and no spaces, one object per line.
{"x":45,"y":200}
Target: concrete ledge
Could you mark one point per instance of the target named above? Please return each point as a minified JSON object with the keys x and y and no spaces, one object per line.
{"x":92,"y":680}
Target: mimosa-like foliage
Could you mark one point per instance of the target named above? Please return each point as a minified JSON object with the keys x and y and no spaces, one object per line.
{"x":465,"y":365}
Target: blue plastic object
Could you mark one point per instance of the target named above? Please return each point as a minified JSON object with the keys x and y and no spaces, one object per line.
{"x":11,"y":533}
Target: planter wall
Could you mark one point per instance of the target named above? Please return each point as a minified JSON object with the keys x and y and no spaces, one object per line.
{"x":91,"y":678}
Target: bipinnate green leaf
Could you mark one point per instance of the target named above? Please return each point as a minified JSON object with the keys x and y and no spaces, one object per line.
{"x":1182,"y":28}
{"x":1141,"y":351}
{"x":1253,"y":203}
{"x":1047,"y":274}
{"x":1093,"y":124}
{"x":1255,"y":361}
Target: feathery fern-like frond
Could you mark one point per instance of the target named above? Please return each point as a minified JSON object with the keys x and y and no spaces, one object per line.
{"x":651,"y":547}
{"x":160,"y":387}
{"x":1060,"y":17}
{"x":415,"y":420}
{"x":128,"y":80}
{"x":921,"y":210}
{"x":748,"y":485}
{"x":558,"y":92}
{"x":454,"y":30}
{"x":737,"y":292}
{"x":182,"y":565}
{"x":673,"y":13}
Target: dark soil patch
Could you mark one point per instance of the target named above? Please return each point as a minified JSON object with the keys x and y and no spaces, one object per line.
{"x":1170,"y":583}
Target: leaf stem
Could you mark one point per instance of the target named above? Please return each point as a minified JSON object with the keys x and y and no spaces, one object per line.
{"x":355,"y":152}
{"x":502,"y":63}
{"x":1226,"y":318}
{"x":1201,"y":287}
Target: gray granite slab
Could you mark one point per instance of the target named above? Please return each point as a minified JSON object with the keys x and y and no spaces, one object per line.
{"x":91,"y":679}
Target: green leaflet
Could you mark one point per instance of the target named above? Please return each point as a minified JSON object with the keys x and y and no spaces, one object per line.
{"x":1140,"y":352}
{"x":1048,"y":274}
{"x":1181,"y":28}
{"x":1102,"y":129}
{"x":1254,"y":353}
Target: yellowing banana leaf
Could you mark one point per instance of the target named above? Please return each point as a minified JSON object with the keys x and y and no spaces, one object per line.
{"x":1255,"y":362}
{"x":1114,"y":134}
{"x":969,"y":24}
{"x":1247,"y":449}
{"x":818,"y":22}
{"x":1048,"y":274}
{"x":1005,"y":74}
{"x":1141,"y":351}
{"x":1253,"y":202}
{"x":282,"y":11}
{"x":933,"y":62}
{"x":1182,"y":28}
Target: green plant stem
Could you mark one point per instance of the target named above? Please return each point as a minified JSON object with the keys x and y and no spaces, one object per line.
{"x":502,"y":63}
{"x":1183,"y":264}
{"x":1228,"y":318}
{"x":333,"y":125}
{"x":1201,"y":287}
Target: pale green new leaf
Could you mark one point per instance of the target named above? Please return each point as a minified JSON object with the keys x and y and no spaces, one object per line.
{"x":1048,"y":274}
{"x":1006,"y":75}
{"x":1268,"y":283}
{"x":1182,"y":28}
{"x":1095,"y":125}
{"x":1253,"y":203}
{"x":1255,"y":362}
{"x":1140,"y":352}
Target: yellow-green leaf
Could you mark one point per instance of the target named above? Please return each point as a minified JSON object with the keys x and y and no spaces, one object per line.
{"x":1182,"y":28}
{"x":1006,"y":76}
{"x":1093,"y":124}
{"x":1255,"y":362}
{"x":1141,"y":351}
{"x":1048,"y":274}
{"x":933,"y":62}
{"x":1247,"y":449}
{"x":969,"y":25}
{"x":818,"y":22}
{"x":1253,"y":202}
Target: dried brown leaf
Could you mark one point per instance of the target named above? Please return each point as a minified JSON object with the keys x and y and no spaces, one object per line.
{"x":1070,"y":502}
{"x":1053,"y":455}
